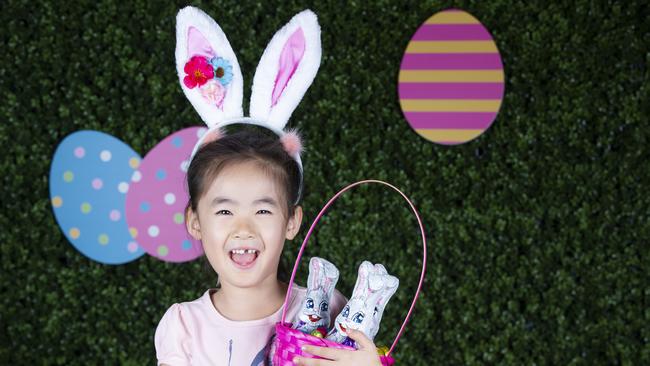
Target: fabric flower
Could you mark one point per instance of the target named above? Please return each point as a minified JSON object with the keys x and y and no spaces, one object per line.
{"x":213,"y":92}
{"x":198,"y":71}
{"x":222,"y":70}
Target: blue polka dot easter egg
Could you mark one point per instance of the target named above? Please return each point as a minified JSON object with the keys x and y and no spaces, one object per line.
{"x":89,"y":180}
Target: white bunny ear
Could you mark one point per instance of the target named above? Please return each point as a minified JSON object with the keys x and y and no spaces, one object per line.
{"x":375,"y":282}
{"x":322,"y":273}
{"x":361,"y":287}
{"x":331,"y":277}
{"x":386,"y":285}
{"x":286,"y":70}
{"x":207,"y":67}
{"x":314,"y":273}
{"x":388,"y":289}
{"x":331,"y":272}
{"x":379,"y":268}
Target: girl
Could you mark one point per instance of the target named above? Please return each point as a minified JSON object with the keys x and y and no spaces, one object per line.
{"x":243,"y":188}
{"x":244,"y":195}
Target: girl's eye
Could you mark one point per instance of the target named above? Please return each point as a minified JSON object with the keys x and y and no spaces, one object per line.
{"x":358,"y":318}
{"x":223,"y":212}
{"x":263,"y":211}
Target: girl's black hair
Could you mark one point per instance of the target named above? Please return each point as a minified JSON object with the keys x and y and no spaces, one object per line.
{"x":249,"y":143}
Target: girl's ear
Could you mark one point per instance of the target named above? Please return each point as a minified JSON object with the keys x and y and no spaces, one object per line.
{"x":192,"y":223}
{"x":293,"y":225}
{"x":286,"y":70}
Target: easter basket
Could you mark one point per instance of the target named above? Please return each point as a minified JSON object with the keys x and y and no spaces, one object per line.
{"x":288,"y":341}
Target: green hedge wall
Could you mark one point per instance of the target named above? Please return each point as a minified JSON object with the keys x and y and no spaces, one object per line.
{"x":538,"y":230}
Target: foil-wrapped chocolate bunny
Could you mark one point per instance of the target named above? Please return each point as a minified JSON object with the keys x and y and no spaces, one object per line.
{"x":373,"y":289}
{"x":314,"y":313}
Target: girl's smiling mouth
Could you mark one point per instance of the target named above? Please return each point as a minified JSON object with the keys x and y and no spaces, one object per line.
{"x":244,"y":258}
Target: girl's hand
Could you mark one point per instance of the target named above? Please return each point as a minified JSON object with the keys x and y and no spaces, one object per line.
{"x":366,"y":355}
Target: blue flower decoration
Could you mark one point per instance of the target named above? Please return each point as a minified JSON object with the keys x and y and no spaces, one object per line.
{"x":222,"y":70}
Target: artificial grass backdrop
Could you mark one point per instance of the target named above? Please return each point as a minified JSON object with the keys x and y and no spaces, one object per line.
{"x":538,"y":229}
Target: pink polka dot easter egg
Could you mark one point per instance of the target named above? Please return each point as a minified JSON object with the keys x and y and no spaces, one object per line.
{"x":157,"y":198}
{"x":451,"y":79}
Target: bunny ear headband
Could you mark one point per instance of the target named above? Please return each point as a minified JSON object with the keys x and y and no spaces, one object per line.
{"x":211,"y":78}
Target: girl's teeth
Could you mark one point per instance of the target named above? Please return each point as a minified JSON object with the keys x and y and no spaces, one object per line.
{"x":243,"y":251}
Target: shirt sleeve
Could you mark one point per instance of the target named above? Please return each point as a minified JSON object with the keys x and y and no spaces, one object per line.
{"x":172,"y":338}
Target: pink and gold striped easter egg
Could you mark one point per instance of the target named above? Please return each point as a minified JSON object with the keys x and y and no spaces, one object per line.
{"x":451,"y":79}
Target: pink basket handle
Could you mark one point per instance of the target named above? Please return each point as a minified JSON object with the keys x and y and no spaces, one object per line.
{"x":313,"y":225}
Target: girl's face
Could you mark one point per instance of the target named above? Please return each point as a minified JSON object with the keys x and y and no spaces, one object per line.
{"x":242,"y":223}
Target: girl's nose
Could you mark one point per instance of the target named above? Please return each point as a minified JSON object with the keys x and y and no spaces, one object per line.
{"x":243,"y":230}
{"x":243,"y":235}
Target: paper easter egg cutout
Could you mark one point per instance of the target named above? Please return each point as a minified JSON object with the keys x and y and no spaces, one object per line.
{"x":89,"y":181}
{"x":451,"y":80}
{"x":158,"y":196}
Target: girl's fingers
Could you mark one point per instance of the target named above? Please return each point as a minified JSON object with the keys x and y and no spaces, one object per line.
{"x":362,"y":341}
{"x":304,"y":361}
{"x":328,"y":353}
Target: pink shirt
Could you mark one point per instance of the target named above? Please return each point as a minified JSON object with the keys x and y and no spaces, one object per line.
{"x":195,"y":333}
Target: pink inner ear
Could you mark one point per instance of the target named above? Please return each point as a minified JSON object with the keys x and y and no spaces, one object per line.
{"x":290,"y":58}
{"x":198,"y":45}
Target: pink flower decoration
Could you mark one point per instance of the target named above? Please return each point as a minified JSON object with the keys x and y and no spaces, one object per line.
{"x":213,"y":92}
{"x":198,"y":71}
